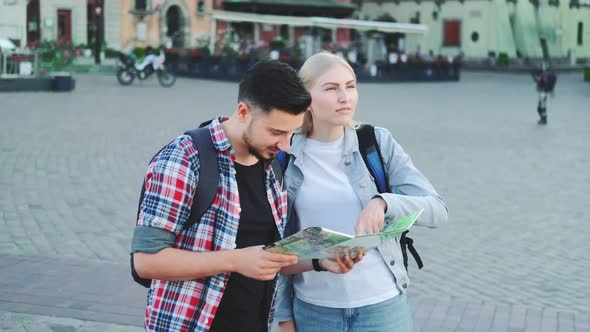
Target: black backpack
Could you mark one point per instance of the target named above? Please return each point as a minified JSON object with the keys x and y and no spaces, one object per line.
{"x":206,"y":187}
{"x":371,"y":153}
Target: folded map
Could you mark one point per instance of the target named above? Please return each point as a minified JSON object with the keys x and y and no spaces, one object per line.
{"x":318,"y":242}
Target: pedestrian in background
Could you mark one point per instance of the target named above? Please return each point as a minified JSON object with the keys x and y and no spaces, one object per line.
{"x":545,"y":80}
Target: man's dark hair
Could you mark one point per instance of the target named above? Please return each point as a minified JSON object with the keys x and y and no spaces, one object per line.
{"x":272,"y":84}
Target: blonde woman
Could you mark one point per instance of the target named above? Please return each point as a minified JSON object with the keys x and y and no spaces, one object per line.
{"x":329,"y":185}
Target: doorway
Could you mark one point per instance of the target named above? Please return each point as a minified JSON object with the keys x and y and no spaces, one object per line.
{"x":175,"y":26}
{"x":64,"y":26}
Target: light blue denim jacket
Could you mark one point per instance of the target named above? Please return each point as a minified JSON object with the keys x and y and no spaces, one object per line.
{"x":416,"y":193}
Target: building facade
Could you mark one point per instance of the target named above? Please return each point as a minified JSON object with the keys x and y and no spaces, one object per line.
{"x":484,"y":28}
{"x":13,"y":25}
{"x":154,"y":22}
{"x":27,"y":22}
{"x":189,"y":23}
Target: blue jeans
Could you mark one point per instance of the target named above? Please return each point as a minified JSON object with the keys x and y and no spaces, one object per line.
{"x":393,"y":315}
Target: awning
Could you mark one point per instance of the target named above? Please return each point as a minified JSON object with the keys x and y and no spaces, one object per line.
{"x":327,"y":8}
{"x":322,"y":22}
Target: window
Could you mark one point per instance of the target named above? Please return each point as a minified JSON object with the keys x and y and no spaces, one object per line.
{"x":580,"y":33}
{"x":200,"y":7}
{"x":141,"y":5}
{"x":452,"y":33}
{"x":415,"y":19}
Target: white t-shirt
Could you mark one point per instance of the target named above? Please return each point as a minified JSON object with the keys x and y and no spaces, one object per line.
{"x":326,"y":198}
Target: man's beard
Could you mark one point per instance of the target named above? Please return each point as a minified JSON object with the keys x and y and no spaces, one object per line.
{"x":252,"y":150}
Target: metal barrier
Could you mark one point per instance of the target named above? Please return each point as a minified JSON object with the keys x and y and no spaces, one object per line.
{"x":21,"y":63}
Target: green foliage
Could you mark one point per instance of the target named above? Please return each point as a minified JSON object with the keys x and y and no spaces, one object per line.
{"x":228,"y":51}
{"x":277,"y":44}
{"x":385,"y":17}
{"x":503,"y":60}
{"x":139,"y":52}
{"x":56,"y":55}
{"x":587,"y":74}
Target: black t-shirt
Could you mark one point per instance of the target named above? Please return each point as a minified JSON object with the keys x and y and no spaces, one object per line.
{"x":246,"y":302}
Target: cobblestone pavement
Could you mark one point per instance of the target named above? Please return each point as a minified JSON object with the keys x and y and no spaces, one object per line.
{"x":72,"y":165}
{"x":100,"y":296}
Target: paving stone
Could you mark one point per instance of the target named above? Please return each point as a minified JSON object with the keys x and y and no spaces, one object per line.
{"x":72,"y":167}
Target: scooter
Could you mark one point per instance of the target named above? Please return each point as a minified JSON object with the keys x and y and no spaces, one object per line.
{"x":129,"y":69}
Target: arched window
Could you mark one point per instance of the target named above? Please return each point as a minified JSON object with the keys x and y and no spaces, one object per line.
{"x":141,"y":5}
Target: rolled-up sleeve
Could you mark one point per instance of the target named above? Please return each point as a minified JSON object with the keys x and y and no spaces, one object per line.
{"x":169,"y":190}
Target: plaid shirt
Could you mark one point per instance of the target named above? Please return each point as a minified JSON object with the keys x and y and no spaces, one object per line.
{"x":170,"y":187}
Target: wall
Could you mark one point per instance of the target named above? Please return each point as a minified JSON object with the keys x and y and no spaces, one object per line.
{"x":112,"y":23}
{"x":48,"y":12}
{"x":13,"y":17}
{"x":197,"y":24}
{"x":491,"y":20}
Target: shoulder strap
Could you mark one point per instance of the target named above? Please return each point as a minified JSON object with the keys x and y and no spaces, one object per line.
{"x":283,"y":158}
{"x":277,"y":168}
{"x":206,"y":187}
{"x":371,"y":153}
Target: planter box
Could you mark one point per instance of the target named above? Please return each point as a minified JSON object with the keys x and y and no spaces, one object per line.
{"x":25,"y":84}
{"x":63,"y":83}
{"x":231,"y":69}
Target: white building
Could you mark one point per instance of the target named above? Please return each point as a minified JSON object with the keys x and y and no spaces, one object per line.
{"x":480,"y":28}
{"x":75,"y":21}
{"x":13,"y":15}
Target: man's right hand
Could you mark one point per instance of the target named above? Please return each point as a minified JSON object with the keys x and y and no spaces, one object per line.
{"x":259,"y":264}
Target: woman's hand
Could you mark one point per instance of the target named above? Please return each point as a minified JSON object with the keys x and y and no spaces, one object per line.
{"x":341,"y":265}
{"x":372,"y":218}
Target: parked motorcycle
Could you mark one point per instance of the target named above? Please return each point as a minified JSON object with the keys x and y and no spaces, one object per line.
{"x":129,"y":69}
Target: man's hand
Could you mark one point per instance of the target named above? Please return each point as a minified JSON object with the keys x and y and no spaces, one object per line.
{"x":372,"y":218}
{"x":341,"y":265}
{"x":259,"y":264}
{"x":288,"y":326}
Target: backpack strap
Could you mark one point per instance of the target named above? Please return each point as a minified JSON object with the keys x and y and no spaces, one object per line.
{"x":371,"y":154}
{"x":283,"y":159}
{"x":209,"y":175}
{"x":277,"y":168}
{"x":206,"y":187}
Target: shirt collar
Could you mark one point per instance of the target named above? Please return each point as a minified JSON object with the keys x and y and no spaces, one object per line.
{"x":218,"y":136}
{"x":351,"y":143}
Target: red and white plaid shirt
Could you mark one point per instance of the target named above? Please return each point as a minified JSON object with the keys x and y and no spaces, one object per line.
{"x":170,"y":187}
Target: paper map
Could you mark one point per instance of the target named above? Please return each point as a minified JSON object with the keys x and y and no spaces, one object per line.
{"x":318,"y":242}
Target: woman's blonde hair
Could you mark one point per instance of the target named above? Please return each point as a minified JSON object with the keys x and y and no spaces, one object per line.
{"x":314,"y":67}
